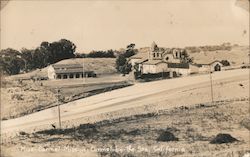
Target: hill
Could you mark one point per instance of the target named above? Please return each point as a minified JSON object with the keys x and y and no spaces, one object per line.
{"x":236,"y":56}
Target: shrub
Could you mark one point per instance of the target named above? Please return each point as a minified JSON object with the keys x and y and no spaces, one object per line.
{"x":167,"y":136}
{"x":223,"y":138}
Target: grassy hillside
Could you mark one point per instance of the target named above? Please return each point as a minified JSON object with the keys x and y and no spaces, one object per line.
{"x":236,"y":56}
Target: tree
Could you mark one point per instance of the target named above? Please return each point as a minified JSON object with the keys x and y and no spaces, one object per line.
{"x":130,"y":51}
{"x":11,"y":61}
{"x":120,"y":62}
{"x":59,"y":50}
{"x":225,"y":63}
{"x":101,"y":54}
{"x":185,"y":58}
{"x":27,"y":56}
{"x":80,"y":55}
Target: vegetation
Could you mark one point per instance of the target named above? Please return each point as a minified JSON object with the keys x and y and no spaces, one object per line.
{"x":225,"y":63}
{"x":101,"y":54}
{"x":13,"y":61}
{"x":186,"y":58}
{"x":122,"y":65}
{"x":10,"y":61}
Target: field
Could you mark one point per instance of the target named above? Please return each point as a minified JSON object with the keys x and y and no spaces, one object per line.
{"x":20,"y":99}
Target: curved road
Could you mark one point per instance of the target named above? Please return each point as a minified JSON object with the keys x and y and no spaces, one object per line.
{"x":132,"y":96}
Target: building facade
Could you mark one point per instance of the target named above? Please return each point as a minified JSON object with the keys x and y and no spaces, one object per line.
{"x":68,"y":71}
{"x":159,"y":60}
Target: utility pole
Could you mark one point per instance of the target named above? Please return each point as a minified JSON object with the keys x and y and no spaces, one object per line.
{"x":211,"y":84}
{"x":58,"y":107}
{"x":83,"y":74}
{"x":162,"y":73}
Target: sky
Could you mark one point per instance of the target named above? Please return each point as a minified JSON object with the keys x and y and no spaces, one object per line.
{"x":109,"y":24}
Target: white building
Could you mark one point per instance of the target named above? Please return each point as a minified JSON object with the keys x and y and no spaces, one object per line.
{"x":159,"y":60}
{"x":207,"y":67}
{"x":68,"y":71}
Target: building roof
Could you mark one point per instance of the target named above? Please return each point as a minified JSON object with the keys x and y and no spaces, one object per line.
{"x":68,"y":68}
{"x":154,"y":62}
{"x":207,"y":62}
{"x":178,"y":65}
{"x":140,"y":55}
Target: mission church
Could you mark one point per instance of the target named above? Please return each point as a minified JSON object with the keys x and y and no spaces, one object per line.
{"x":172,"y":61}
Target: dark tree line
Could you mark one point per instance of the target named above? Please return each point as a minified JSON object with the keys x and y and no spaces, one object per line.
{"x":98,"y":54}
{"x":13,"y":61}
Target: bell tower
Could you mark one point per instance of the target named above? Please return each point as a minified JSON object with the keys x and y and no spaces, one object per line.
{"x":153,"y":51}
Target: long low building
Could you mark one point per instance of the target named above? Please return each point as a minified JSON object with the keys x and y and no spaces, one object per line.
{"x":68,"y":71}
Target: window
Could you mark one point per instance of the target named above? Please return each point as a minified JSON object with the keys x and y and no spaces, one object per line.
{"x":77,"y":75}
{"x":65,"y":76}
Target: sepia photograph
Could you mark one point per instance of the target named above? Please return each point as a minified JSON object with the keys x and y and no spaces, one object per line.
{"x":124,"y":78}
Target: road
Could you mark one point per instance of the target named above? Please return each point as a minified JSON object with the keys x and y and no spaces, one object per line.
{"x":139,"y":94}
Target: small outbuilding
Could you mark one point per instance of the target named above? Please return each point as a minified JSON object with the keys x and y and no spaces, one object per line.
{"x":210,"y":66}
{"x":68,"y":71}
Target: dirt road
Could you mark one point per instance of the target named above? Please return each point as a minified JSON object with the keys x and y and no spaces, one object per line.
{"x":137,"y":95}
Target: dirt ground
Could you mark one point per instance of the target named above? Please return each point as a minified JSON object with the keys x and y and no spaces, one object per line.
{"x":138,"y":136}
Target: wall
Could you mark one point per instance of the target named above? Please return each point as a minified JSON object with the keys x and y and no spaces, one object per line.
{"x":51,"y":72}
{"x":147,"y":68}
{"x":161,"y":67}
{"x":182,"y":71}
{"x":193,"y":69}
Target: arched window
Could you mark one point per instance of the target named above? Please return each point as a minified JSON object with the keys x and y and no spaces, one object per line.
{"x":77,"y":75}
{"x":65,"y":76}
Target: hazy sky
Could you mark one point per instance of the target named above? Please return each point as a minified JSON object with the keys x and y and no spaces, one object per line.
{"x":109,"y":24}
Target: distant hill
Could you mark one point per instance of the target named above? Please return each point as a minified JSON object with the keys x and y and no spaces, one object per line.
{"x":236,"y":56}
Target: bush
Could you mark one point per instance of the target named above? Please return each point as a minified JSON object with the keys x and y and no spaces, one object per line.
{"x":167,"y":136}
{"x":223,"y":138}
{"x":225,"y":63}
